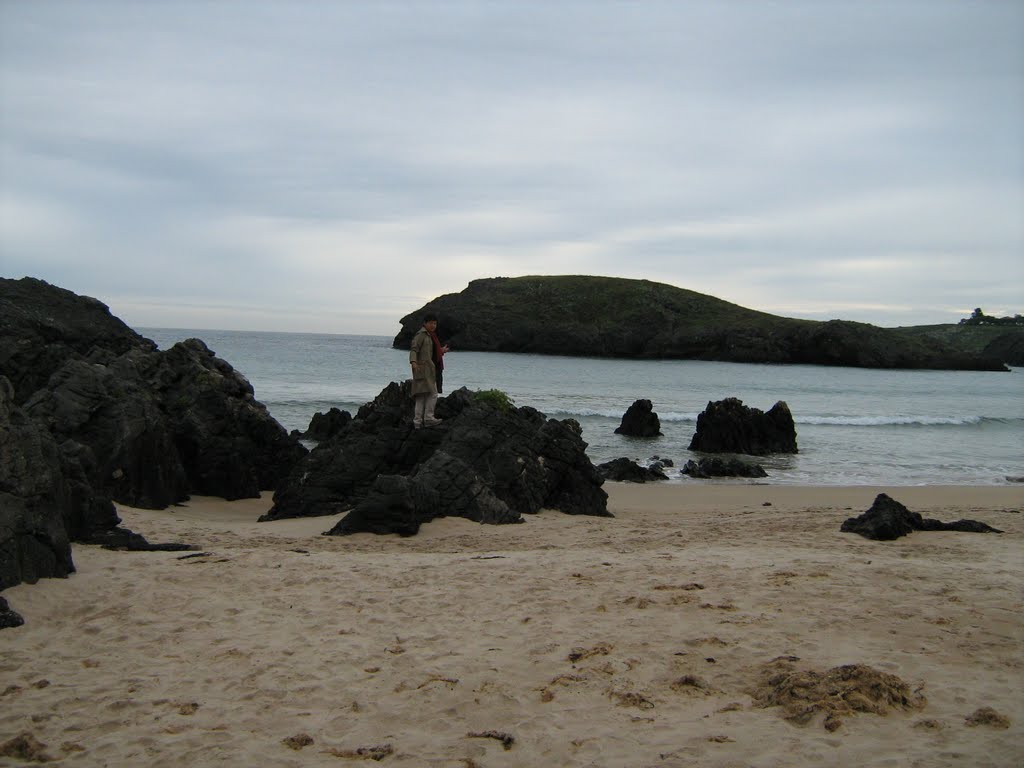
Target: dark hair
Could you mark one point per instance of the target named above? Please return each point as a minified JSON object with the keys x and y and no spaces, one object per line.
{"x":429,"y":316}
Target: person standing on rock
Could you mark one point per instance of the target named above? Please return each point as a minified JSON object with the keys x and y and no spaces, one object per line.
{"x":426,"y":355}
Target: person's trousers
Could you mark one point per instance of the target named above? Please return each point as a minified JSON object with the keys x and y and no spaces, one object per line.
{"x":423,"y":410}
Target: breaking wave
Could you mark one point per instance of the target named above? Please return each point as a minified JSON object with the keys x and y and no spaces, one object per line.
{"x":837,"y":421}
{"x":889,"y":421}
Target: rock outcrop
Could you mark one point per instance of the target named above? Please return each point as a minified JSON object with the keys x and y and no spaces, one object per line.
{"x":35,"y":498}
{"x":1008,"y":347}
{"x":623,"y":470}
{"x":324,"y":426}
{"x":228,"y":443}
{"x":616,"y":317}
{"x":98,"y":413}
{"x":42,"y":327}
{"x":483,"y":462}
{"x":640,"y":420}
{"x":9,"y":618}
{"x":121,"y":434}
{"x":153,"y":426}
{"x":716,"y":466}
{"x":887,"y":519}
{"x":729,"y":426}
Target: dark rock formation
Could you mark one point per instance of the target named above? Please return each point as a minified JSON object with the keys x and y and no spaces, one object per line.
{"x":8,"y":617}
{"x":47,"y":501}
{"x":728,"y":426}
{"x":615,"y":317}
{"x":124,"y":445}
{"x":444,"y":484}
{"x":34,"y":497}
{"x":718,"y":467}
{"x":640,"y":420}
{"x":625,"y":470}
{"x":157,"y":426}
{"x":95,"y":412}
{"x":1008,"y":347}
{"x":324,"y":426}
{"x":887,"y":519}
{"x":43,"y":326}
{"x":152,"y":426}
{"x":484,"y":462}
{"x":228,"y":443}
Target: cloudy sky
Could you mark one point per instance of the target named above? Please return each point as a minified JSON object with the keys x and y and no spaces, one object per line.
{"x":331,"y":166}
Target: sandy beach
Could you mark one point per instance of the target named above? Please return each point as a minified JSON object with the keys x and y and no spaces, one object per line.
{"x":649,"y":639}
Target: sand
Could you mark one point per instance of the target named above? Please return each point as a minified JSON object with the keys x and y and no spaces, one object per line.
{"x":643,"y":640}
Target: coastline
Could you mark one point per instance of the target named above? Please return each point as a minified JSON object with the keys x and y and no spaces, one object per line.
{"x":570,"y":634}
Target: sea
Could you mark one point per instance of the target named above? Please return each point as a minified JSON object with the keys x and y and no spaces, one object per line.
{"x":855,"y":426}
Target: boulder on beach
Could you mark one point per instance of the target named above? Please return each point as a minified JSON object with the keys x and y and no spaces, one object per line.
{"x":47,"y":501}
{"x":887,"y":519}
{"x":124,"y":444}
{"x":729,"y":426}
{"x":9,"y":618}
{"x":34,"y":497}
{"x":716,"y":466}
{"x":98,"y":413}
{"x":152,"y":426}
{"x":487,"y":461}
{"x":623,"y":470}
{"x":640,"y":420}
{"x":228,"y":443}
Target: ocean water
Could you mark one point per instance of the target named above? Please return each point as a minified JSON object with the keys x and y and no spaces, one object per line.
{"x":854,"y":426}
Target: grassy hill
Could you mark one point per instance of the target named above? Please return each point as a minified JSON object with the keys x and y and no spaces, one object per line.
{"x":618,"y":317}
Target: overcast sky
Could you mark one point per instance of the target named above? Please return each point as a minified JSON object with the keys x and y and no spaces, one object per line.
{"x":331,"y":166}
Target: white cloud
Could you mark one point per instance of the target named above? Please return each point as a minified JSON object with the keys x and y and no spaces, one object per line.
{"x":334,"y":166}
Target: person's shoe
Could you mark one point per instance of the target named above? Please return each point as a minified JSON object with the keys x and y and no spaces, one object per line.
{"x":416,"y":426}
{"x":432,"y":422}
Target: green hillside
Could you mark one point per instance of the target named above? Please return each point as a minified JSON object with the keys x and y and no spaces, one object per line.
{"x":619,"y":317}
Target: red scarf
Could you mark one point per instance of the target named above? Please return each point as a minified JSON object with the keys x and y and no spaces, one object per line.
{"x":438,"y":352}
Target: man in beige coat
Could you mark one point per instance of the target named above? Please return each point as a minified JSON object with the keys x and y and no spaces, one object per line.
{"x":426,"y":358}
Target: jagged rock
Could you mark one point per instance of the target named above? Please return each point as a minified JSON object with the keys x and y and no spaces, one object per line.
{"x":43,"y":326}
{"x":152,"y":426}
{"x":93,"y":411}
{"x":483,"y":462}
{"x":47,"y":501}
{"x":157,"y":426}
{"x":228,"y":442}
{"x":338,"y":473}
{"x":397,"y":504}
{"x":394,"y":504}
{"x":34,"y":498}
{"x":728,"y":426}
{"x":719,"y":467}
{"x":887,"y":519}
{"x":640,"y":420}
{"x":9,"y":618}
{"x":126,"y":447}
{"x":625,"y":470}
{"x":324,"y":426}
